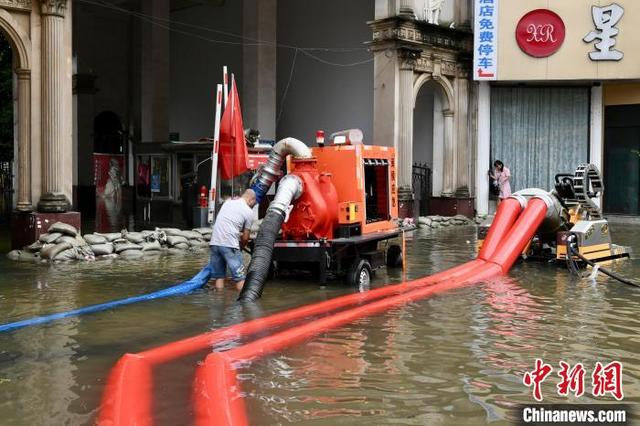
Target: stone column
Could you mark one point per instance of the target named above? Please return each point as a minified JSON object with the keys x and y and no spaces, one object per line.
{"x":155,"y":73}
{"x":259,"y":66}
{"x":462,"y":148}
{"x":449,"y":159}
{"x":483,"y":160}
{"x":54,"y":108}
{"x":407,"y":9}
{"x":24,"y":140}
{"x":596,"y":131}
{"x":404,"y":150}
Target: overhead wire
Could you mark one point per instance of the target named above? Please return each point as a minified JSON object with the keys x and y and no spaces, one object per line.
{"x":168,"y":25}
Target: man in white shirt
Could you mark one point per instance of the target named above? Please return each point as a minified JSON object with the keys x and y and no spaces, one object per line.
{"x":230,"y":234}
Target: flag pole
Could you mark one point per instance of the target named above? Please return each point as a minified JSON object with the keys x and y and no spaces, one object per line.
{"x":225,"y":82}
{"x":233,"y":135}
{"x":214,"y":156}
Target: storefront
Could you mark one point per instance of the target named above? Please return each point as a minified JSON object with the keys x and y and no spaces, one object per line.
{"x":559,"y":86}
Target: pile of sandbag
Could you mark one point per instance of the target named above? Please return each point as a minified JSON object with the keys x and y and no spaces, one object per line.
{"x":63,"y":242}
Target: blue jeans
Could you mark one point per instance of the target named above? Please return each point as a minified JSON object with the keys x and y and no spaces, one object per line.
{"x":226,"y":257}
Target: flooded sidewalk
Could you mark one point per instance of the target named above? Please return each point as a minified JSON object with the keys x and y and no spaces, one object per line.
{"x":455,"y":359}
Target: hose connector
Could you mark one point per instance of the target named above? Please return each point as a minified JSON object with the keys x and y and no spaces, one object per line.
{"x":271,"y":171}
{"x":289,"y":189}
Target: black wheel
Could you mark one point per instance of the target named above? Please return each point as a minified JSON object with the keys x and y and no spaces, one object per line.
{"x":359,"y":274}
{"x":394,"y":256}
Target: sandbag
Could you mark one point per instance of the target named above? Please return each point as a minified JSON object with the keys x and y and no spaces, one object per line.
{"x":151,"y":246}
{"x":147,"y":233}
{"x":181,"y":246}
{"x":69,"y":254}
{"x":175,"y":239}
{"x":203,"y":231}
{"x":120,"y":247}
{"x":107,"y":256}
{"x":198,"y":243}
{"x":102,"y":249}
{"x":35,"y":247}
{"x":63,"y":228}
{"x":51,"y":251}
{"x":192,"y":235}
{"x":171,"y":231}
{"x":92,"y":239}
{"x":134,"y":237}
{"x":74,"y":241}
{"x":131,"y":254}
{"x":49,"y":238}
{"x":110,"y":236}
{"x":21,"y":256}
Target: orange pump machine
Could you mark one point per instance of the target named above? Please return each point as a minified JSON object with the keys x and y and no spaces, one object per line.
{"x":349,"y":190}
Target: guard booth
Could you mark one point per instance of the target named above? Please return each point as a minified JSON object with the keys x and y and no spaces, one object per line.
{"x":169,"y":177}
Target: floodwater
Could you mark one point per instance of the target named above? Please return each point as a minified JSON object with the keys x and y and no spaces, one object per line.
{"x":457,"y":358}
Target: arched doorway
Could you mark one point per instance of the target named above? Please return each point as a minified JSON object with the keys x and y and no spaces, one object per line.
{"x":431,"y":107}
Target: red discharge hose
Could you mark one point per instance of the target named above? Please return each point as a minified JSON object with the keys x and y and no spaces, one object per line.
{"x":507,"y":213}
{"x":129,"y":390}
{"x":130,"y":379}
{"x":217,"y":404}
{"x":125,"y":385}
{"x":520,"y":234}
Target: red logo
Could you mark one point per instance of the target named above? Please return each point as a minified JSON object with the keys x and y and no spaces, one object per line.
{"x":540,"y":33}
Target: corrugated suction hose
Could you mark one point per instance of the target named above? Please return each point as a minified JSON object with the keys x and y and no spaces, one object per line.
{"x":289,"y":189}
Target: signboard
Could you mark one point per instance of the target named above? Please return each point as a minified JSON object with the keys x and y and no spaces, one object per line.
{"x":485,"y":43}
{"x":155,"y":182}
{"x":540,"y":33}
{"x":535,"y":40}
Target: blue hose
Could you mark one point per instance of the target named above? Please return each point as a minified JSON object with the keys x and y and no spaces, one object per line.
{"x":198,"y":281}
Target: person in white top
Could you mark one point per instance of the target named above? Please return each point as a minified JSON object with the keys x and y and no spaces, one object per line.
{"x":230,"y":234}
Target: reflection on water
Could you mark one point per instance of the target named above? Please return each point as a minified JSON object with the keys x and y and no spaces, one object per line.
{"x":457,"y":358}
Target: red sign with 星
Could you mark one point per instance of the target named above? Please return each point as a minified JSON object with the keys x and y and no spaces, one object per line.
{"x":540,"y":33}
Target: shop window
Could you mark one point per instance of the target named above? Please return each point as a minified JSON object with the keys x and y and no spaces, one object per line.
{"x":154,"y":176}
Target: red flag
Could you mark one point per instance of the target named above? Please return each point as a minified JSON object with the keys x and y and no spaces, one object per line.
{"x":233,"y":155}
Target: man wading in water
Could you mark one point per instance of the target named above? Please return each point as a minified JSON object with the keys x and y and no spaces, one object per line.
{"x":230,"y":234}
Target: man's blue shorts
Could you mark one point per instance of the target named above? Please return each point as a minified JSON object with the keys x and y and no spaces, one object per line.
{"x":226,"y":257}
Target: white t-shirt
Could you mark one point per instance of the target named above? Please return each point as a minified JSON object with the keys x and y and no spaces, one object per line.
{"x":234,"y":217}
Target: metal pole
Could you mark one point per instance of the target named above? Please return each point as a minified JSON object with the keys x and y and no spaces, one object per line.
{"x":225,"y":83}
{"x":214,"y":156}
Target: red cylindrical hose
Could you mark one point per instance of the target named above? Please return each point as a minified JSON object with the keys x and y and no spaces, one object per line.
{"x":128,"y":393}
{"x":507,"y":213}
{"x":125,"y":381}
{"x":232,"y":411}
{"x":216,"y":394}
{"x":520,"y":234}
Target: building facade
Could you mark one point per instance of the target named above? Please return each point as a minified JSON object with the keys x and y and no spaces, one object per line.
{"x":125,"y":78}
{"x":40,"y":36}
{"x":423,"y":98}
{"x":559,"y":87}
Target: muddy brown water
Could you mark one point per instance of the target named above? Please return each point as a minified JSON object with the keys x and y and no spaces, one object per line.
{"x":457,"y":358}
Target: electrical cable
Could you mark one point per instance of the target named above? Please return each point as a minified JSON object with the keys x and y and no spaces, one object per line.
{"x":286,"y":88}
{"x":573,"y":267}
{"x":257,"y":42}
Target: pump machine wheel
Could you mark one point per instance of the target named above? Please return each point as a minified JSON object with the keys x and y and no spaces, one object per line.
{"x":359,"y":274}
